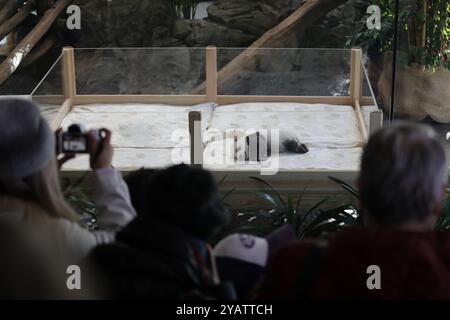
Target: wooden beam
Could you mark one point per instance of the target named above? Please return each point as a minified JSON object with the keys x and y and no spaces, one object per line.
{"x":38,"y":52}
{"x":356,"y":82}
{"x":183,"y":100}
{"x":195,"y":138}
{"x":298,"y":21}
{"x":62,"y":113}
{"x":12,"y":62}
{"x":43,"y":5}
{"x":48,"y":99}
{"x":10,"y":24}
{"x":356,"y":75}
{"x":211,"y":74}
{"x":186,"y":100}
{"x":7,"y":10}
{"x":68,"y":75}
{"x":229,"y":99}
{"x":361,"y":122}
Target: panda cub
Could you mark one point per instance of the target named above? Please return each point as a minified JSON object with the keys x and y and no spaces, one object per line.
{"x":258,"y":146}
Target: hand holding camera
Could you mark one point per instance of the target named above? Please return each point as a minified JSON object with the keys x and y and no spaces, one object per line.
{"x":76,"y":140}
{"x":101,"y":151}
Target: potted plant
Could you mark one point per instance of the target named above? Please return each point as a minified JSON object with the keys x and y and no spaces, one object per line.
{"x":423,"y":76}
{"x":312,"y":222}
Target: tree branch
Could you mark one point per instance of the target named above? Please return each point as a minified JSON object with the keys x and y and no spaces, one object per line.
{"x":12,"y":62}
{"x":15,"y":20}
{"x":8,"y":9}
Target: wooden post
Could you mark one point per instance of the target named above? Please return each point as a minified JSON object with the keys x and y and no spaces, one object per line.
{"x":61,"y":115}
{"x":195,"y":134}
{"x":356,"y":75}
{"x":68,"y":75}
{"x":361,"y":122}
{"x":211,"y":74}
{"x":356,"y":89}
{"x":376,"y":121}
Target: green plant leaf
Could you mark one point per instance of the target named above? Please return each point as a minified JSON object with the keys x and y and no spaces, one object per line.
{"x":318,"y":204}
{"x":291,"y":215}
{"x":263,"y":214}
{"x":300,"y":197}
{"x":221,"y":181}
{"x":337,"y":214}
{"x":267,"y":197}
{"x":228,"y":194}
{"x":345,"y":186}
{"x":280,"y":199}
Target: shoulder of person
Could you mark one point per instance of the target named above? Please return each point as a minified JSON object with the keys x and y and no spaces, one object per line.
{"x":73,"y":230}
{"x":295,"y":251}
{"x":21,"y":210}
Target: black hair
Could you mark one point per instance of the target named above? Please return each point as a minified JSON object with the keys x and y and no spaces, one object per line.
{"x":136,"y":181}
{"x":188,"y":197}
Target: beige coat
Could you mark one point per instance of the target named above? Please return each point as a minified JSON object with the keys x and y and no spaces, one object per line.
{"x":68,"y":240}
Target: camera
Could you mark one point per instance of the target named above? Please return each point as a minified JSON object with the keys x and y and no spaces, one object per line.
{"x":75,"y":139}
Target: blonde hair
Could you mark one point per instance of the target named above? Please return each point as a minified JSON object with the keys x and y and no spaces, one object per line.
{"x":43,"y":189}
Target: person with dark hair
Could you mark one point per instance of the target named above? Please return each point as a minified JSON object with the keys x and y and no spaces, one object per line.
{"x":398,"y":255}
{"x":163,"y":253}
{"x":136,"y":185}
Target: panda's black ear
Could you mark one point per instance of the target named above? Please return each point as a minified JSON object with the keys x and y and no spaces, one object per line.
{"x":302,"y":148}
{"x":295,"y":146}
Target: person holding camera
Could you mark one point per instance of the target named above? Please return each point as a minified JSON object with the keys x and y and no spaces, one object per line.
{"x":30,"y":194}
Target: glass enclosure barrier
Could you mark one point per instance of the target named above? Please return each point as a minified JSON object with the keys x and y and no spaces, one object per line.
{"x":183,"y":71}
{"x":144,"y":96}
{"x":49,"y":93}
{"x":135,"y":71}
{"x":367,"y":90}
{"x":284,"y":72}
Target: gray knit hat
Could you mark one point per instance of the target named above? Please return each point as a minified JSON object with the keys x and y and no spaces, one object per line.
{"x":26,"y":141}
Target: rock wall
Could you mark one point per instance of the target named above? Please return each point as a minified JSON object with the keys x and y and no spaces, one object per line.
{"x":230,"y":23}
{"x":121,"y":23}
{"x":134,"y":23}
{"x":153,"y":23}
{"x":336,"y":29}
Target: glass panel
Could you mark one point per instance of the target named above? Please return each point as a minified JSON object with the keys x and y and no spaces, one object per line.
{"x":284,"y":72}
{"x":48,"y":94}
{"x":167,"y":71}
{"x":367,"y":89}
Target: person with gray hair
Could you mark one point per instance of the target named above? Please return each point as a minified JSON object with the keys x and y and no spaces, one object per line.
{"x":397,"y":254}
{"x":30,"y":194}
{"x":404,"y":173}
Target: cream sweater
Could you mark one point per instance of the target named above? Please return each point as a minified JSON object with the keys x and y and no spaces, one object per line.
{"x":68,"y":240}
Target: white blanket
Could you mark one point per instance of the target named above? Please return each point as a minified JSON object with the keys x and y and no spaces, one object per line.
{"x":316,"y":125}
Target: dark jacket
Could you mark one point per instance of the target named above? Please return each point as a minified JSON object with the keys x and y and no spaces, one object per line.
{"x":153,"y":259}
{"x":413,"y":265}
